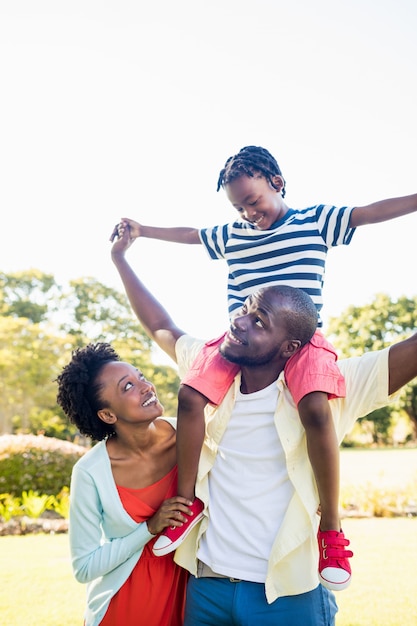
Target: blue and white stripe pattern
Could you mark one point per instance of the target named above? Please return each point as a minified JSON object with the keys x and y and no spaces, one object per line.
{"x":292,"y":252}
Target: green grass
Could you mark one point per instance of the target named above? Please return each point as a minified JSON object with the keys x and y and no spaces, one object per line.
{"x":382,"y":592}
{"x":37,"y":586}
{"x":381,"y":467}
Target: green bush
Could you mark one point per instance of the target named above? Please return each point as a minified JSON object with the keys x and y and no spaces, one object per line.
{"x":36,"y":463}
{"x":368,"y":500}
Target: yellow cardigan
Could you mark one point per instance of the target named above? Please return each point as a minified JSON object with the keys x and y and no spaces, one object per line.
{"x":292,"y":567}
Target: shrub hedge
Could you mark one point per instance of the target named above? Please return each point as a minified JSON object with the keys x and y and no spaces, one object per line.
{"x":36,"y":462}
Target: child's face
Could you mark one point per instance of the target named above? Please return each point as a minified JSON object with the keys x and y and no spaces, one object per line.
{"x":256,"y":200}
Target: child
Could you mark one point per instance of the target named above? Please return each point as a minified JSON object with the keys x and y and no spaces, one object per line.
{"x":273,"y":244}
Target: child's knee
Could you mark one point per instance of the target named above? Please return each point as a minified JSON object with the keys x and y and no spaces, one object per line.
{"x":190,"y":399}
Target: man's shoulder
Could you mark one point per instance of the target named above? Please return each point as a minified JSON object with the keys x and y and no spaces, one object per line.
{"x":187,"y":348}
{"x":366,"y":360}
{"x":366,"y":376}
{"x":187,"y":342}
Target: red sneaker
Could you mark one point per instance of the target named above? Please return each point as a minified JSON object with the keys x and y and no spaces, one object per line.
{"x":334,"y":567}
{"x":172,"y":537}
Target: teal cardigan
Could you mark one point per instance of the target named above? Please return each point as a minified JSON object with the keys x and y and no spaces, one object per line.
{"x":105,"y":542}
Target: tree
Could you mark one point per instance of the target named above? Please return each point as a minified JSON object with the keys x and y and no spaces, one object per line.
{"x":41,"y":323}
{"x":373,"y":327}
{"x":31,"y":294}
{"x":30,"y":359}
{"x":100,"y":313}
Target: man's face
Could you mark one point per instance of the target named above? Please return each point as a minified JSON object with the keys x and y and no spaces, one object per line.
{"x":256,"y":200}
{"x":258,"y":334}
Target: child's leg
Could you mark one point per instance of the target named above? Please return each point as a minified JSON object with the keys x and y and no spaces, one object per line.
{"x":323,"y":451}
{"x":207,"y":380}
{"x":190,"y":436}
{"x":313,"y":377}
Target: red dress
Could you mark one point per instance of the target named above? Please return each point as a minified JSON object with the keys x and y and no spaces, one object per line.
{"x":154,"y":593}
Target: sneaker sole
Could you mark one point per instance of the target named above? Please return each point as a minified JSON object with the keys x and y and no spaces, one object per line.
{"x":334,"y":586}
{"x":174,"y":544}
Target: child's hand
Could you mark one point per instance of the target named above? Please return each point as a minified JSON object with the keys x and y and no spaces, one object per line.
{"x":172,"y":512}
{"x":134,"y":228}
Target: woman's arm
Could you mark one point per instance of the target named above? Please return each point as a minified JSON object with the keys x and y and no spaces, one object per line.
{"x":154,"y":318}
{"x":91,"y":558}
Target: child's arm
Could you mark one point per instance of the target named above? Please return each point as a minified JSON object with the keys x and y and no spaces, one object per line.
{"x":181,"y":234}
{"x":383,"y":210}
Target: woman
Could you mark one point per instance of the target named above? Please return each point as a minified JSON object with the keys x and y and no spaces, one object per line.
{"x":122,"y":492}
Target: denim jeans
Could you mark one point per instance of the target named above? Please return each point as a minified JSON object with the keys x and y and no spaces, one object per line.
{"x":221,"y":602}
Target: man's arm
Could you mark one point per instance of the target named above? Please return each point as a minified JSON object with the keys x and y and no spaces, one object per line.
{"x":180,"y":234}
{"x":151,"y":314}
{"x":402,"y":363}
{"x":383,"y":210}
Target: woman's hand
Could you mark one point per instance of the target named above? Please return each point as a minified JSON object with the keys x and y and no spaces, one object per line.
{"x":122,"y":239}
{"x":172,"y":512}
{"x":135,"y":229}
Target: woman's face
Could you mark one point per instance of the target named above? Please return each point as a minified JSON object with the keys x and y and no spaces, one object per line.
{"x":127,"y":394}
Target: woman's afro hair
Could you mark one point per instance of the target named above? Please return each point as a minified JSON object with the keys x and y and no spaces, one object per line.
{"x":79,"y":392}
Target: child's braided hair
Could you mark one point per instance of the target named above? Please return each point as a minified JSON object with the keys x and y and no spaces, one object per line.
{"x":249,"y":161}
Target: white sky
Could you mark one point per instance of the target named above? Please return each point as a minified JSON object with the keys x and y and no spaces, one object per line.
{"x":112,"y":108}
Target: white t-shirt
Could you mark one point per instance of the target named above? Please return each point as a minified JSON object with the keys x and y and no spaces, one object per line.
{"x":249,"y":476}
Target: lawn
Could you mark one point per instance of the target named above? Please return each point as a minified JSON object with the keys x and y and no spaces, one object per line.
{"x":390,"y":468}
{"x":383,"y":588}
{"x":37,"y":586}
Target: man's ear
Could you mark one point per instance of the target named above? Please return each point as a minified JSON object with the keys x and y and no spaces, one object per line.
{"x":290,"y":347}
{"x":107,"y":416}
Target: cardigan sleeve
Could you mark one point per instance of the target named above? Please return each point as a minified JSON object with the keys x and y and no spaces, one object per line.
{"x":92,"y":555}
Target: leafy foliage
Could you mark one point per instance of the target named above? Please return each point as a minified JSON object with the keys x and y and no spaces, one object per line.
{"x":34,"y":503}
{"x":61,"y":502}
{"x":41,"y":322}
{"x":31,"y":294}
{"x":9,"y":506}
{"x":372,"y":327}
{"x":36,"y":464}
{"x":30,"y":358}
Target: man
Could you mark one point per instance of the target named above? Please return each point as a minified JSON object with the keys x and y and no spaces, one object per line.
{"x":253,"y":557}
